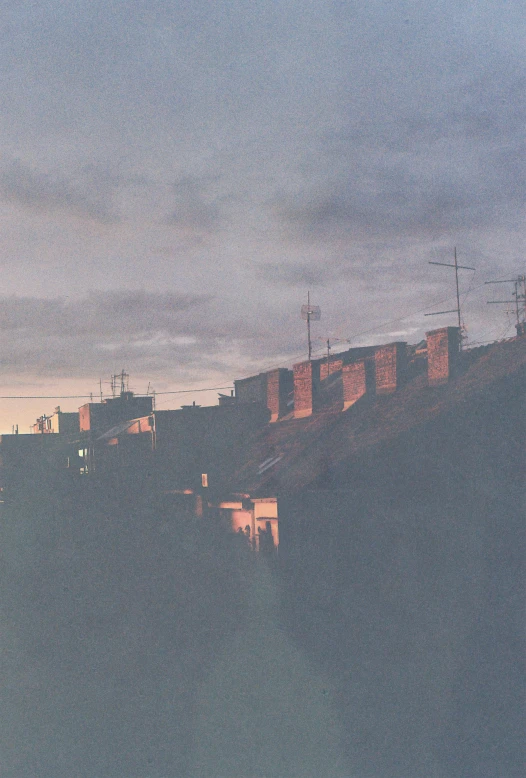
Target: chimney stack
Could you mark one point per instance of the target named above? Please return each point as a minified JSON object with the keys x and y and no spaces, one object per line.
{"x":279,"y":385}
{"x":306,"y":388}
{"x":390,"y":366}
{"x":358,"y":380}
{"x":443,"y":354}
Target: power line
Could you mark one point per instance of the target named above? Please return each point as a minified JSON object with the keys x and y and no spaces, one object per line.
{"x":188,"y":391}
{"x":46,"y":397}
{"x":375,"y":328}
{"x":268,"y":367}
{"x":90,"y":396}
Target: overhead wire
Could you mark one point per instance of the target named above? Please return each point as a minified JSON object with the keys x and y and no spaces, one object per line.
{"x":268,"y":367}
{"x":93,"y":394}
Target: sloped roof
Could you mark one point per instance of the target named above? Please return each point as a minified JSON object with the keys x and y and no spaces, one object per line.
{"x":117,"y":430}
{"x":293,"y":453}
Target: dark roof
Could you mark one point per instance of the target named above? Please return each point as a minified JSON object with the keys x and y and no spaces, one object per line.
{"x":118,"y":429}
{"x":293,"y":453}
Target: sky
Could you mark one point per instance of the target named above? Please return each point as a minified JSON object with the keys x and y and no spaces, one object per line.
{"x":176,"y":176}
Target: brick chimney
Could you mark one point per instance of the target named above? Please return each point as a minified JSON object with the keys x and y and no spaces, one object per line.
{"x":252,"y":389}
{"x":443,"y":352}
{"x":358,"y":380}
{"x":390,"y":367}
{"x":306,"y":388}
{"x":279,"y":385}
{"x":329,"y":368}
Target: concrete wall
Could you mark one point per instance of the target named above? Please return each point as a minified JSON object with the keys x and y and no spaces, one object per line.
{"x":99,"y":417}
{"x":253,"y":522}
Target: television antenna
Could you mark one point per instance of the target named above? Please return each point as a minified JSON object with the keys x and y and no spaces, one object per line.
{"x":457,"y":268}
{"x":519,"y":295}
{"x":310,"y":313}
{"x":329,"y":343}
{"x":121,"y":378}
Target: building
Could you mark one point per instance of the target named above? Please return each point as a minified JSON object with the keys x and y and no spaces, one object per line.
{"x":394,"y":423}
{"x":98,"y":417}
{"x":59,"y":422}
{"x":293,"y":449}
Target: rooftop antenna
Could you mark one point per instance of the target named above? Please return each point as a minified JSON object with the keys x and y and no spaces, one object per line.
{"x":124,"y":381}
{"x":457,"y":268}
{"x":310,"y":313}
{"x":519,"y":295}
{"x":328,"y":343}
{"x":123,"y":378}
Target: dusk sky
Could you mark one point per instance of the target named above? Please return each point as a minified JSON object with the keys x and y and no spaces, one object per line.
{"x":175,"y":175}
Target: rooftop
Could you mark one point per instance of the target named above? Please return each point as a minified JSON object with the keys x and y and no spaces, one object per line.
{"x":295,"y":452}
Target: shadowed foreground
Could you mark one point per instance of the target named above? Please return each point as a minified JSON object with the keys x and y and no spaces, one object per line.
{"x":140,"y":644}
{"x":135,"y":646}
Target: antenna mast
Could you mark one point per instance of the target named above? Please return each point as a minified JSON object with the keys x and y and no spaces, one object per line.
{"x":310,"y":313}
{"x":519,"y":296}
{"x":457,"y":268}
{"x":123,"y":377}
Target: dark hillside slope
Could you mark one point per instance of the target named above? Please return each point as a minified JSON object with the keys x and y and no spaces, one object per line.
{"x":408,"y":590}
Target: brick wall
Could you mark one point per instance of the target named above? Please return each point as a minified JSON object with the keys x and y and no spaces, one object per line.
{"x":306,"y":388}
{"x":442,"y":354}
{"x":333,"y":367}
{"x":252,"y":389}
{"x":354,"y":383}
{"x":279,"y":384}
{"x":390,"y":367}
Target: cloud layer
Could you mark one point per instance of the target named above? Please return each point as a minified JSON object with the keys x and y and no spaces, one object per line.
{"x":237,"y":155}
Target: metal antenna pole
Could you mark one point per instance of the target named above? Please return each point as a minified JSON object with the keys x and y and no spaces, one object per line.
{"x":458,"y":293}
{"x":457,"y":309}
{"x":309,"y":312}
{"x":308,"y":325}
{"x":516,"y":294}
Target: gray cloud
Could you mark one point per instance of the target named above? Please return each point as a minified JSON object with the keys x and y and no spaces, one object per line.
{"x":256,"y":149}
{"x":413,"y":199}
{"x":357,"y":266}
{"x":155,"y":334}
{"x":100,"y":313}
{"x":453,"y":162}
{"x":87,"y":194}
{"x":300,"y":274}
{"x":197,"y":208}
